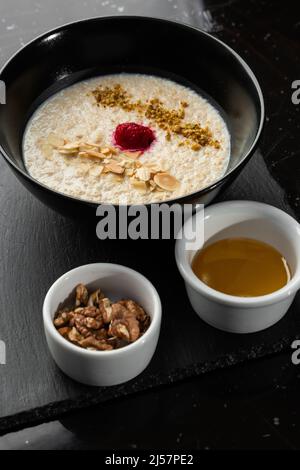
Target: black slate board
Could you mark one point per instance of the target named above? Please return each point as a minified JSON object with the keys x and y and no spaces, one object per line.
{"x":37,"y":246}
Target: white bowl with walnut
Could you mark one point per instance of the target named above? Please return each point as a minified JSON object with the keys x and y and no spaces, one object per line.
{"x":108,"y":366}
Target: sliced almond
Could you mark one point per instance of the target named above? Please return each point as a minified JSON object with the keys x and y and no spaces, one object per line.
{"x":83,"y":154}
{"x":96,"y":171}
{"x":126,"y":162}
{"x":133,"y":155}
{"x":69,"y":146}
{"x":114,"y":150}
{"x":166,"y":181}
{"x":91,"y":144}
{"x":93,"y":153}
{"x":137,"y":184}
{"x":88,"y":148}
{"x":120,"y":161}
{"x":96,"y":136}
{"x":67,"y":151}
{"x":55,"y":140}
{"x":113,"y":167}
{"x":47,"y":150}
{"x":85,"y":148}
{"x":152,"y":186}
{"x":106,"y":151}
{"x":143,"y":174}
{"x":129,"y":171}
{"x":153,"y":168}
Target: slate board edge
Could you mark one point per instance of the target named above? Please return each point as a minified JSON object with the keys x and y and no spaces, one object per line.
{"x":54,"y":410}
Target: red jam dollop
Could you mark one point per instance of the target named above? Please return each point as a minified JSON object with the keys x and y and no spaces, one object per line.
{"x":133,"y":137}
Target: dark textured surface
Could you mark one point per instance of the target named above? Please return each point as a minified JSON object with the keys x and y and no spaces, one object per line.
{"x":38,"y":245}
{"x":250,"y":406}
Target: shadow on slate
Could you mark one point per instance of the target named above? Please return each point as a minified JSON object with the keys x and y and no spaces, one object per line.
{"x":39,"y":245}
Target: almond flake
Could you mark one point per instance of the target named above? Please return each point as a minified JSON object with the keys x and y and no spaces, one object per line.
{"x":96,"y":171}
{"x":55,"y":140}
{"x":143,"y":174}
{"x":129,"y":171}
{"x":113,"y":167}
{"x":114,"y":150}
{"x":152,"y":185}
{"x":153,"y":168}
{"x":96,"y":136}
{"x":137,"y":184}
{"x":90,"y":144}
{"x":83,"y":154}
{"x":166,"y":181}
{"x":47,"y":150}
{"x":133,"y":155}
{"x":67,"y":151}
{"x":93,"y":153}
{"x":70,"y":146}
{"x":118,"y":160}
{"x":106,"y":150}
{"x":126,"y":163}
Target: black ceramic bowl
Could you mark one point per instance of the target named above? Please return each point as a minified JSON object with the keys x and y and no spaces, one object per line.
{"x":140,"y":44}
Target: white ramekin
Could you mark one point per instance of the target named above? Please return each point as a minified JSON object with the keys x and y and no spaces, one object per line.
{"x":242,"y":219}
{"x":103,"y":367}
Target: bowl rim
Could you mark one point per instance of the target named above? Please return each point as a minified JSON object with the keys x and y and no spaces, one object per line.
{"x":56,"y":336}
{"x":184,"y":267}
{"x":181,"y":199}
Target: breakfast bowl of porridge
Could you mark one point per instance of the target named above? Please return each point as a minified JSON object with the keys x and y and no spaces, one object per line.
{"x":128,"y":111}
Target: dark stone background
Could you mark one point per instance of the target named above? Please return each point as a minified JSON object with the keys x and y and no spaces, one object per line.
{"x":38,"y":245}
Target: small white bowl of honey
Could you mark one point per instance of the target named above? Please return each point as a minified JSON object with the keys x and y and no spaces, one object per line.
{"x":245,"y":273}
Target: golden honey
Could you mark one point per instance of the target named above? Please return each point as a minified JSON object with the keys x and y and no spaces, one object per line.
{"x":242,"y":267}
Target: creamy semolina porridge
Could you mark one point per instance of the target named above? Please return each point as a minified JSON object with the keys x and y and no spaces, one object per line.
{"x":126,"y":138}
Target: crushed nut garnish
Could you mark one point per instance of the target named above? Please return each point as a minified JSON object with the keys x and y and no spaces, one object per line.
{"x":94,"y":322}
{"x":170,"y":120}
